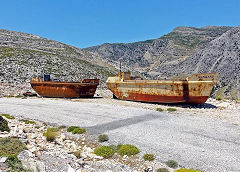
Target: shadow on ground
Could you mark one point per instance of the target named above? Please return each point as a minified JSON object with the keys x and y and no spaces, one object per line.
{"x":182,"y":105}
{"x":101,"y":128}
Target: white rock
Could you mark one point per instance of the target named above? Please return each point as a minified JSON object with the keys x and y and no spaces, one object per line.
{"x":70,"y":169}
{"x":3,"y":159}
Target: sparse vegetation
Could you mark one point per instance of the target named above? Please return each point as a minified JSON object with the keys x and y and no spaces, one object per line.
{"x":7,"y":116}
{"x":19,"y":96}
{"x":114,"y":147}
{"x":10,"y":96}
{"x":172,"y":164}
{"x":128,"y":150}
{"x":70,"y":129}
{"x":103,"y":138}
{"x":79,"y":131}
{"x":162,"y":170}
{"x":171,"y":109}
{"x":4,"y":125}
{"x":15,"y":164}
{"x":28,"y":121}
{"x":220,"y":97}
{"x":148,"y":157}
{"x":219,"y":93}
{"x":104,"y":151}
{"x":186,"y":170}
{"x":51,"y":134}
{"x":159,"y":109}
{"x":11,"y":146}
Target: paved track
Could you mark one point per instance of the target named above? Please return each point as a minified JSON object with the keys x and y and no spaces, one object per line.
{"x":194,"y":142}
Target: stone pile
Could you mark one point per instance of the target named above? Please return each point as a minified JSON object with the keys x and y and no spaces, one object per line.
{"x":44,"y":156}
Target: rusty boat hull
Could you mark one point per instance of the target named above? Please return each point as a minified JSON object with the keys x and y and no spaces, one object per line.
{"x":195,"y":89}
{"x":84,"y":89}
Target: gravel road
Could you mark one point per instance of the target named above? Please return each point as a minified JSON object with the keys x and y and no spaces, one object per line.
{"x":193,"y":141}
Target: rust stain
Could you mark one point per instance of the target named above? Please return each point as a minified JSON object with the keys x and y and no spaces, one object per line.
{"x":195,"y":89}
{"x":86,"y":88}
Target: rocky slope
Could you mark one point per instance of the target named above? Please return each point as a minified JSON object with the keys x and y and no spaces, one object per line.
{"x":23,"y":56}
{"x":222,"y":56}
{"x":148,"y":55}
{"x":185,"y":50}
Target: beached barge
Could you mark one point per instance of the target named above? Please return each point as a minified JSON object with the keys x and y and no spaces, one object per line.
{"x":194,"y":89}
{"x":49,"y":88}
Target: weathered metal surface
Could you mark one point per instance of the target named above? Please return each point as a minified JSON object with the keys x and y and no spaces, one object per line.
{"x":86,"y":88}
{"x":195,"y":89}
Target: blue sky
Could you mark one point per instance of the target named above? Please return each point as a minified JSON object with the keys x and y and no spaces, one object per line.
{"x":84,"y":23}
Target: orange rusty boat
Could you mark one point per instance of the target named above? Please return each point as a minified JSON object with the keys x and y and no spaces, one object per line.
{"x":49,"y":88}
{"x":194,"y":89}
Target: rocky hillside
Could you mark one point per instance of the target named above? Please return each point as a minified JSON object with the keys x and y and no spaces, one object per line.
{"x":183,"y":51}
{"x":23,"y":56}
{"x":148,"y":55}
{"x":222,"y":56}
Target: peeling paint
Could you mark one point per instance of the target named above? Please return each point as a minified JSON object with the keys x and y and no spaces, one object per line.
{"x":195,"y":89}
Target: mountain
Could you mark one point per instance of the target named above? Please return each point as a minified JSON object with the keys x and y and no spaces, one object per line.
{"x":222,"y":56}
{"x":183,"y":51}
{"x":146,"y":56}
{"x":23,"y":56}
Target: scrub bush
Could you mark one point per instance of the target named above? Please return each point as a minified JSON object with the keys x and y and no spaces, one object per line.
{"x":103,"y":138}
{"x":171,"y":109}
{"x":104,"y":151}
{"x":51,"y":134}
{"x":128,"y":150}
{"x":159,"y":109}
{"x":172,"y":164}
{"x":70,"y":129}
{"x":79,"y":131}
{"x":148,"y":157}
{"x":11,"y":146}
{"x":7,"y":116}
{"x":4,"y":125}
{"x":162,"y":170}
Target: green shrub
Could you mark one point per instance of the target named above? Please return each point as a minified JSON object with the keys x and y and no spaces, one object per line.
{"x":162,"y":170}
{"x":18,"y":96}
{"x":104,"y":151}
{"x":113,"y":147}
{"x":79,"y":131}
{"x":77,"y":154}
{"x":15,"y":164}
{"x":10,"y":96}
{"x":128,"y":150}
{"x":51,"y":134}
{"x":103,"y":138}
{"x":37,"y":127}
{"x":28,"y":121}
{"x":186,"y":170}
{"x":159,"y":109}
{"x":171,"y":109}
{"x":70,"y":129}
{"x":4,"y":125}
{"x":219,"y":97}
{"x":148,"y":157}
{"x":7,"y":116}
{"x":11,"y":146}
{"x":172,"y":164}
{"x":118,"y":146}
